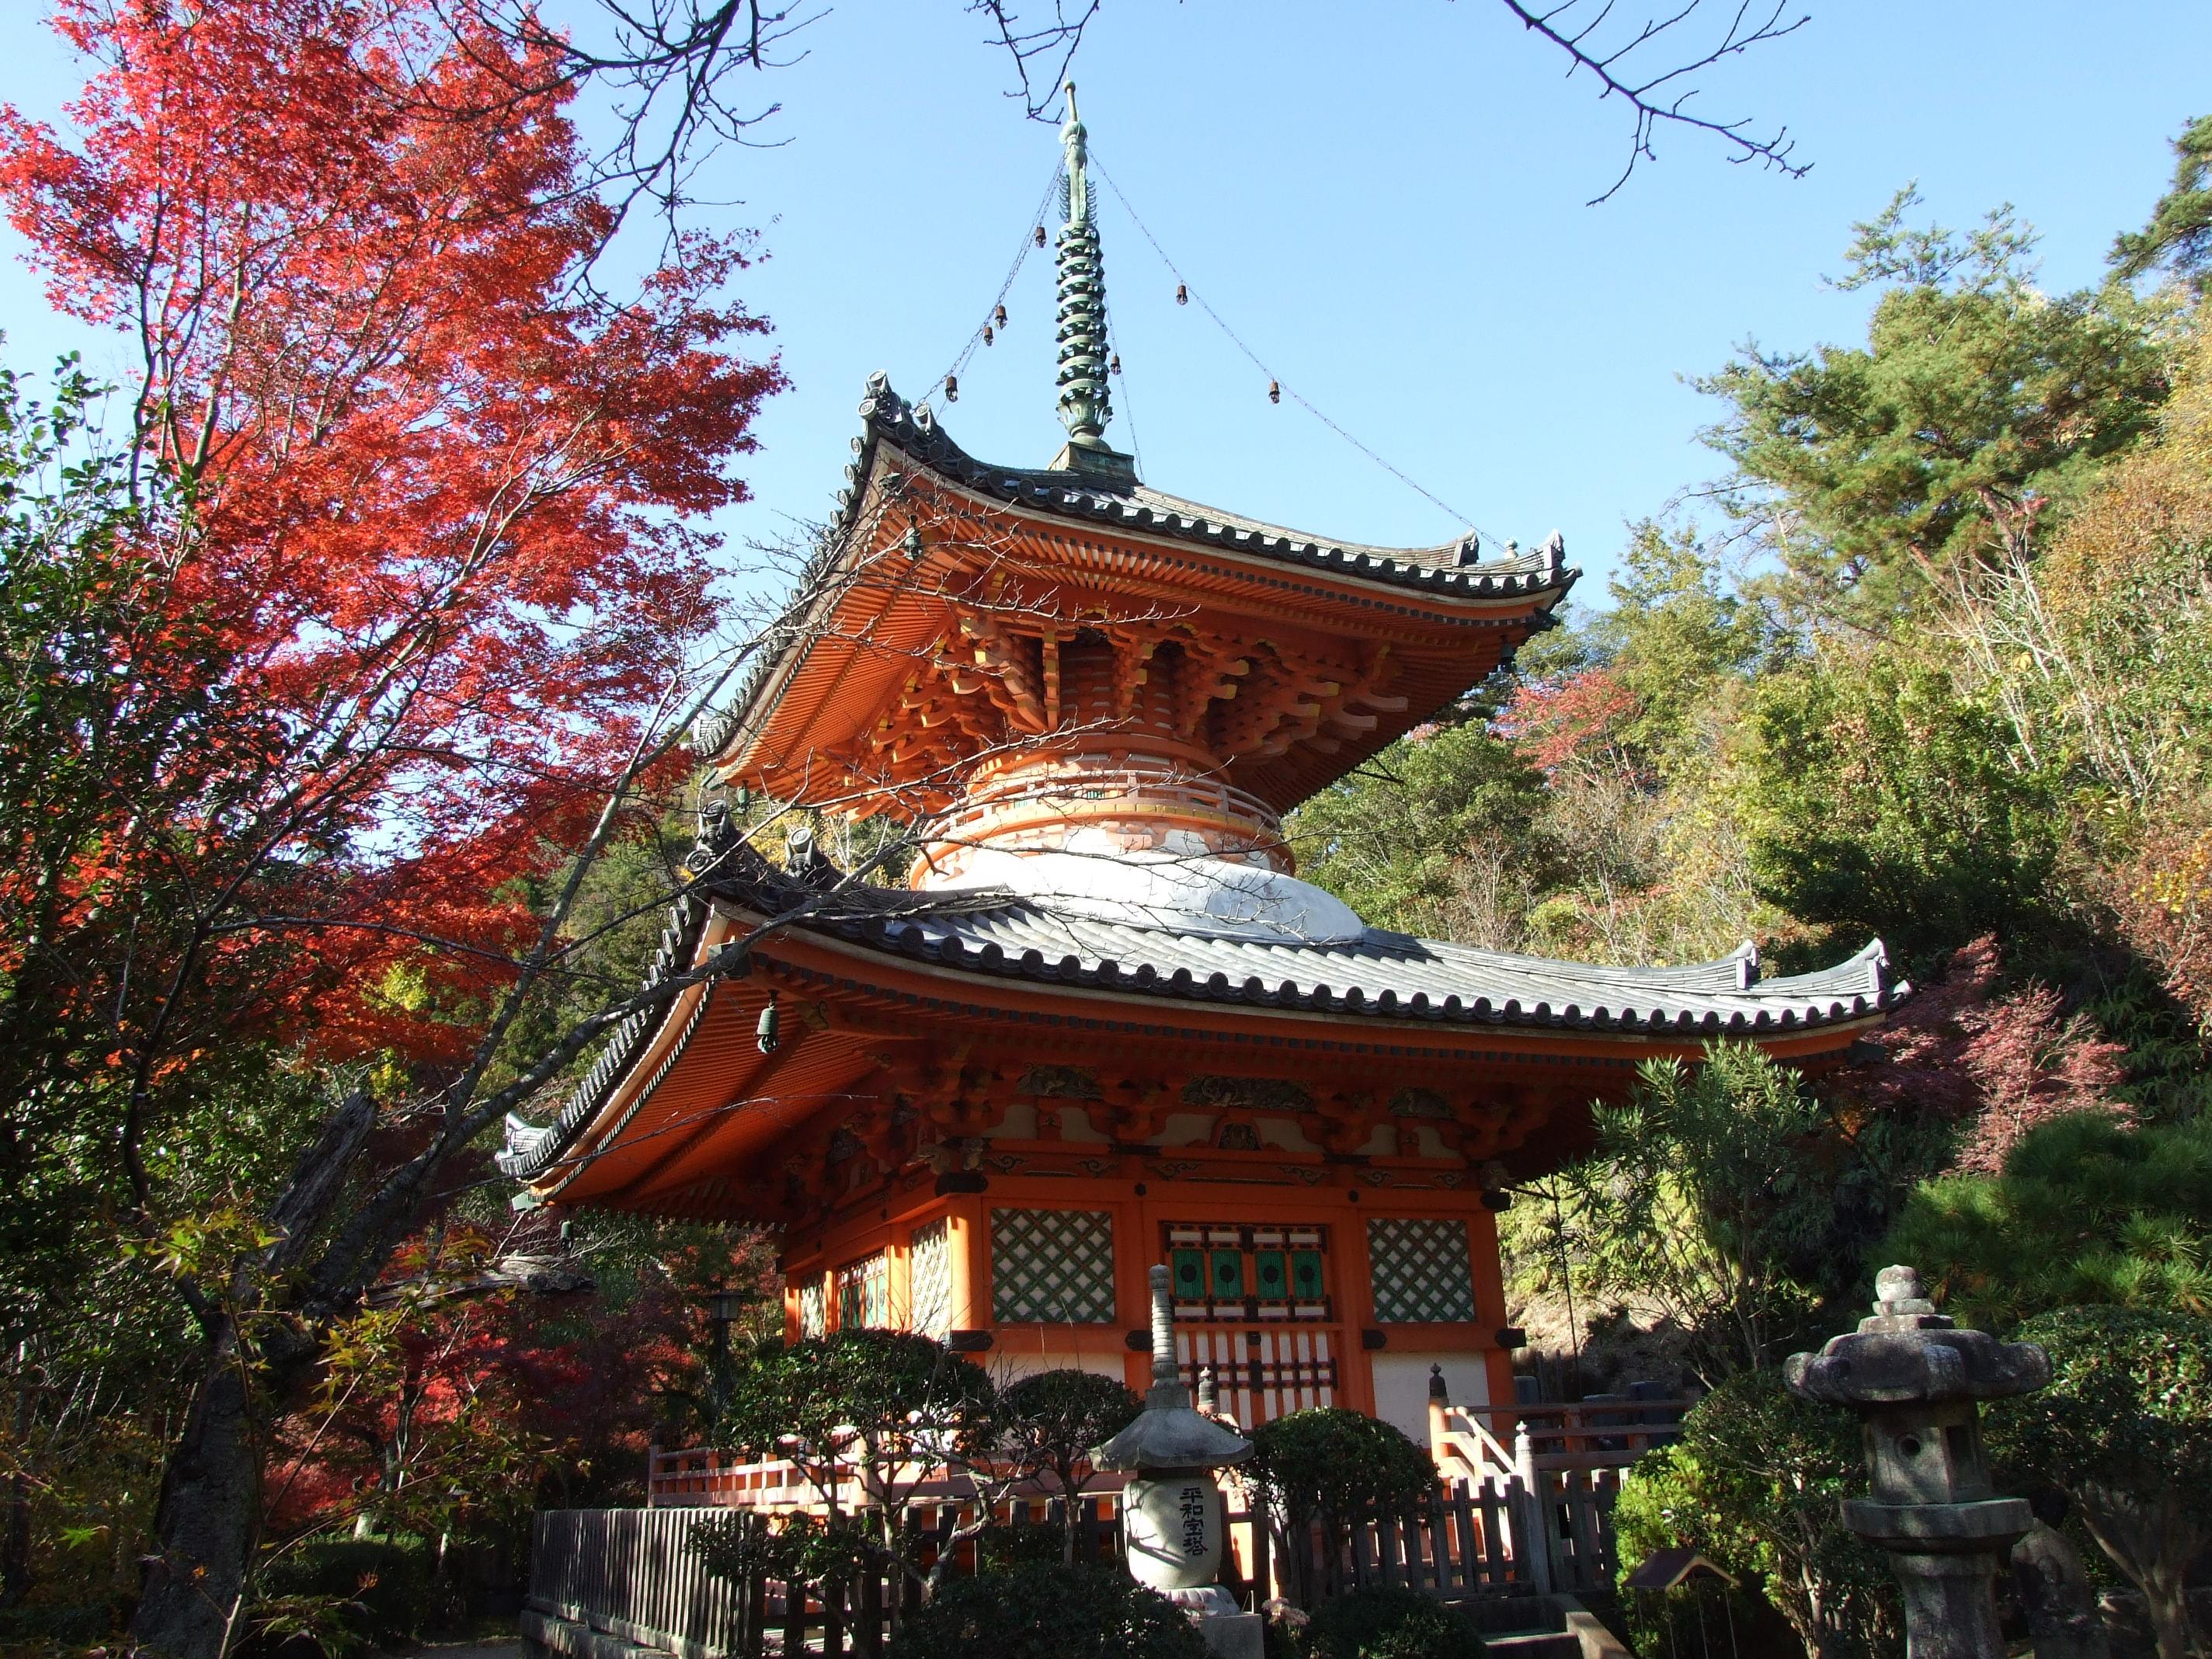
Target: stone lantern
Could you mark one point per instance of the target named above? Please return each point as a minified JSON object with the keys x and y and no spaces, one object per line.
{"x":1916,"y":1380}
{"x":1172,"y":1517}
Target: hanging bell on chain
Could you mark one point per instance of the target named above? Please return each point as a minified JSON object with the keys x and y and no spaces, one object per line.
{"x":999,"y":316}
{"x":952,"y":388}
{"x":987,"y":334}
{"x":1183,"y":294}
{"x":768,"y":1034}
{"x":1114,"y":364}
{"x":1040,"y":235}
{"x":1274,"y":391}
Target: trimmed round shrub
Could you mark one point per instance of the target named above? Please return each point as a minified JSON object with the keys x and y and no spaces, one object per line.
{"x":1047,"y":1611}
{"x":1335,"y":1462}
{"x":1388,"y":1621}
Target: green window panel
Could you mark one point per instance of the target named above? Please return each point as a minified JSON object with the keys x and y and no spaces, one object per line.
{"x":1306,"y":1275}
{"x":1270,"y":1277}
{"x":1420,"y":1271}
{"x":1189,"y":1267}
{"x":1228,"y":1275}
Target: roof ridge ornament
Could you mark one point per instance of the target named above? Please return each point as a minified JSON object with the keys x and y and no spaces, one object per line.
{"x":1086,"y":403}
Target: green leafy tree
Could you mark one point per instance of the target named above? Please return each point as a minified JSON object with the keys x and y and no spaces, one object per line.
{"x":1703,"y":1194}
{"x":868,"y":1416}
{"x":2178,"y":238}
{"x":2125,"y":1431}
{"x":2085,"y":1210}
{"x":1395,"y":838}
{"x":1978,"y":401}
{"x":1879,"y":800}
{"x":1329,"y":1468}
{"x":1673,"y":639}
{"x":1047,"y":1611}
{"x":1755,"y":1484}
{"x":1049,"y":1422}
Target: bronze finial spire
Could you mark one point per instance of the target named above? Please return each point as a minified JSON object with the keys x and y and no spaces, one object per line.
{"x":1086,"y":402}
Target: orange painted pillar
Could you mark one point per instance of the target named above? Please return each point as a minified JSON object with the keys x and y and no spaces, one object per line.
{"x":968,"y":1258}
{"x":1136,"y":1245}
{"x":1490,"y":1302}
{"x":898,"y":1279}
{"x":1356,"y":1370}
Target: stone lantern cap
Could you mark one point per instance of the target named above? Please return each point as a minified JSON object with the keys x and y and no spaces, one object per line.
{"x":1169,"y":1434}
{"x":1909,"y":1353}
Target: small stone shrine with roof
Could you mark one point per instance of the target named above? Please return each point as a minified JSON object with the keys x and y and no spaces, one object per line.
{"x":1100,"y":1023}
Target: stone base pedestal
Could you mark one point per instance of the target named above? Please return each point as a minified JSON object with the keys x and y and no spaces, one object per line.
{"x":1225,"y":1631}
{"x":1233,"y":1635}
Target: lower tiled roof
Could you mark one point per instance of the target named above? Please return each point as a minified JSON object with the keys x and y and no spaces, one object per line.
{"x":1380,"y":975}
{"x":1383,"y":975}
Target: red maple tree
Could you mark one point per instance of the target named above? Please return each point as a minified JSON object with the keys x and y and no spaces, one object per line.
{"x":410,"y":604}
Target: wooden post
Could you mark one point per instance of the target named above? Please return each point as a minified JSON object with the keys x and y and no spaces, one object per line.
{"x":1532,"y":1546}
{"x":1263,"y":1589}
{"x":794,"y":1617}
{"x":1439,"y":1415}
{"x":756,"y":1615}
{"x":868,"y":1616}
{"x":833,"y":1618}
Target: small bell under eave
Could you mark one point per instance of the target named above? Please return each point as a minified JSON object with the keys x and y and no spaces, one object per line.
{"x":913,"y":541}
{"x":1274,"y":391}
{"x":1183,"y":294}
{"x":768,"y":1033}
{"x":952,"y":388}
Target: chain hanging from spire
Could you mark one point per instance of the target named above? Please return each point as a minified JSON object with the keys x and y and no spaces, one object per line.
{"x":1086,"y":403}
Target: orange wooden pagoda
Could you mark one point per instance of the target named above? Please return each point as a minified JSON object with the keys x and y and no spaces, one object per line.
{"x":1101,"y":1024}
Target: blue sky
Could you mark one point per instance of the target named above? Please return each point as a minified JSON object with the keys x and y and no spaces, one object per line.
{"x":1387,"y":203}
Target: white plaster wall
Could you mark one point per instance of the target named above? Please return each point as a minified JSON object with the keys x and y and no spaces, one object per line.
{"x":1401,"y":1387}
{"x":1187,"y":1129}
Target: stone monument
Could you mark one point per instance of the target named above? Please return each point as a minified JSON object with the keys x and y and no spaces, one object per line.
{"x":1915,"y":1379}
{"x":1172,"y":1513}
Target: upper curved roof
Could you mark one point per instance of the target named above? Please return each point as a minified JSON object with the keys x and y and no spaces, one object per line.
{"x":1450,"y":570}
{"x":1454,"y":567}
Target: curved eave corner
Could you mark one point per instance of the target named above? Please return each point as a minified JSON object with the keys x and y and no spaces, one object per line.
{"x":533,"y":1151}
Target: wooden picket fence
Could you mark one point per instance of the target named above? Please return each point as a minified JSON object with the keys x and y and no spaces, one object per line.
{"x":632,"y":1574}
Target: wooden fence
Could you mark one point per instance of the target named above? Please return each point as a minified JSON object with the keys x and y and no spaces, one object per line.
{"x":632,"y":1575}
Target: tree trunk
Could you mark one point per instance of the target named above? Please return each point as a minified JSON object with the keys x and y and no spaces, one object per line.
{"x":2166,"y":1597}
{"x":209,"y":1518}
{"x":15,"y":1536}
{"x":206,"y":1523}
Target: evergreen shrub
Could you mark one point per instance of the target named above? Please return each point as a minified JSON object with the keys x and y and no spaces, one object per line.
{"x":1388,"y":1621}
{"x":1043,"y":1610}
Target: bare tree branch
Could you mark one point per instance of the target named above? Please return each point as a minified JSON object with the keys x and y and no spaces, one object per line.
{"x":1028,"y":46}
{"x":1654,"y":89}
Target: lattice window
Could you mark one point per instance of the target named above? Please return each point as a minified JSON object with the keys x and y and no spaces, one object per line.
{"x":813,"y":1307}
{"x":1420,"y":1271}
{"x":1225,"y":1272}
{"x":1052,"y":1267}
{"x":929,"y":1279}
{"x":864,"y":1294}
